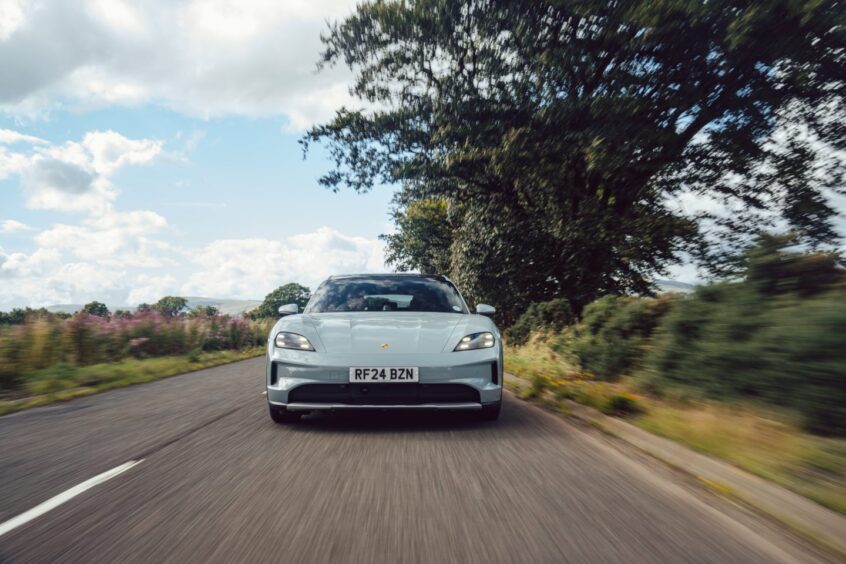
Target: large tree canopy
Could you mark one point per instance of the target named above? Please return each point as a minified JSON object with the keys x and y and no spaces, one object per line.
{"x":567,"y":132}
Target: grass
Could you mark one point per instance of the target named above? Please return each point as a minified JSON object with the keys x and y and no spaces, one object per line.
{"x":812,"y":466}
{"x":65,"y":382}
{"x":766,"y":443}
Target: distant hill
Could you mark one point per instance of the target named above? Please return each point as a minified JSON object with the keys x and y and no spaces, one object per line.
{"x":667,"y":286}
{"x":228,"y":307}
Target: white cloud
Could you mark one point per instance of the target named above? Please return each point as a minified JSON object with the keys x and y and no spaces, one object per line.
{"x":211,"y":57}
{"x":12,"y":15}
{"x":110,"y":151}
{"x":247,"y":268}
{"x":149,"y":289}
{"x":115,"y":259}
{"x":11,"y":163}
{"x":75,"y":176}
{"x":9,"y":136}
{"x":13,"y":226}
{"x":114,"y":238}
{"x":18,"y":265}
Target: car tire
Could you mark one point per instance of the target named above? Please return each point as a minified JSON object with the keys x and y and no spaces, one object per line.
{"x":490,"y":412}
{"x":281,"y":415}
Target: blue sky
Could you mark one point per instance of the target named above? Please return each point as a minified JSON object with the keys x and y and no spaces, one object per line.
{"x":153,"y":150}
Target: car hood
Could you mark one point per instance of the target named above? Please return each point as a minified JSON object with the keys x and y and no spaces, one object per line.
{"x":384,"y":332}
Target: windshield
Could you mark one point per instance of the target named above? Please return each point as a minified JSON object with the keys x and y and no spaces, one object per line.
{"x":386,"y":293}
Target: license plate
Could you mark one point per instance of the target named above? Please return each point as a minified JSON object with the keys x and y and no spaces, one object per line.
{"x":377,"y":375}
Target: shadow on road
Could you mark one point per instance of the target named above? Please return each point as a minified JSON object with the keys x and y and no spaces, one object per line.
{"x":512,"y":419}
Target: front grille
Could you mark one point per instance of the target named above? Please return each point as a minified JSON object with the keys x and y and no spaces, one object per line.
{"x":383,"y":394}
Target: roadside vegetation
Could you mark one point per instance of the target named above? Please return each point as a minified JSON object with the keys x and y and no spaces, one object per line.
{"x":46,"y":357}
{"x":749,"y":370}
{"x":64,"y":382}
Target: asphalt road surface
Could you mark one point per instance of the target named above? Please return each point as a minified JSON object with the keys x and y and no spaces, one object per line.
{"x":219,"y":482}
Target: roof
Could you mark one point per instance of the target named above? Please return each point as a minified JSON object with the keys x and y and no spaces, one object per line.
{"x":388,"y":275}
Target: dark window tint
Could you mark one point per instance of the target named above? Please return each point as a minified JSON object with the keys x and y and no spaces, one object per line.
{"x":386,"y":293}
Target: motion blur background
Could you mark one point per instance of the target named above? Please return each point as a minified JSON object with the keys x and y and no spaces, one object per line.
{"x":651,"y":193}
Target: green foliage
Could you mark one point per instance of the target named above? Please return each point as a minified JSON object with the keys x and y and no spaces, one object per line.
{"x":170,"y":305}
{"x":730,"y":341}
{"x":621,"y":404}
{"x":204,"y":311}
{"x":96,"y":308}
{"x":614,"y":333}
{"x":777,"y":337}
{"x":774,"y":266}
{"x":423,"y":238}
{"x":550,"y":316}
{"x":291,"y":293}
{"x":22,"y":315}
{"x":562,"y":133}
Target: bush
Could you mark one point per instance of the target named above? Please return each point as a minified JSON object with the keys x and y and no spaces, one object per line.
{"x":731,"y":341}
{"x":551,"y":316}
{"x":614,"y":333}
{"x":35,"y":354}
{"x":621,"y":404}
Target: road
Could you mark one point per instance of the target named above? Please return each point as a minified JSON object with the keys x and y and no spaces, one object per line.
{"x":219,"y":482}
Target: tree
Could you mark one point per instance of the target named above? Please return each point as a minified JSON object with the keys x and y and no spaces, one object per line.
{"x":170,"y":306}
{"x":98,"y":309}
{"x":569,"y":131}
{"x":204,"y":311}
{"x":291,"y":293}
{"x":423,"y":238}
{"x":774,"y":265}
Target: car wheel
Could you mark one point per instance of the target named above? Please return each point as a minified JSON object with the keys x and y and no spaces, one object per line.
{"x":281,"y":415}
{"x":490,"y":412}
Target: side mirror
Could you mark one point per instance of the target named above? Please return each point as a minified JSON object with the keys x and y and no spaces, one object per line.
{"x":485,"y":309}
{"x":289,"y":309}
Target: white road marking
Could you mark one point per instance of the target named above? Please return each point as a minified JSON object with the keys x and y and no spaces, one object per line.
{"x":67,"y":495}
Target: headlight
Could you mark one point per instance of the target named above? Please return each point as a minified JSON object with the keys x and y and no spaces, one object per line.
{"x":475,"y":341}
{"x":293,"y":341}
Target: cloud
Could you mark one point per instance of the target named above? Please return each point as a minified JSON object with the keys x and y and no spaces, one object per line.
{"x":247,"y":268}
{"x":203,"y":58}
{"x":9,"y":137}
{"x":149,"y":289}
{"x":75,"y":176}
{"x":12,"y":15}
{"x":18,"y":265}
{"x":117,"y":259}
{"x":11,"y":163}
{"x":59,"y":176}
{"x":119,"y":239}
{"x":13,"y":226}
{"x":110,"y":151}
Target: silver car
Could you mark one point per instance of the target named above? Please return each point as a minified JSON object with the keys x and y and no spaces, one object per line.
{"x":384,"y":341}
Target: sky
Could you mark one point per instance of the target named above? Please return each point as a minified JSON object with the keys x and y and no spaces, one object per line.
{"x":150,"y":148}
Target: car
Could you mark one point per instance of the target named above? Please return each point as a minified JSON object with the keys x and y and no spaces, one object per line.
{"x":386,"y":342}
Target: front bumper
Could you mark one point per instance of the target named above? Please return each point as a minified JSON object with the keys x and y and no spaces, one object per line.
{"x":458,"y":406}
{"x":464,"y":380}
